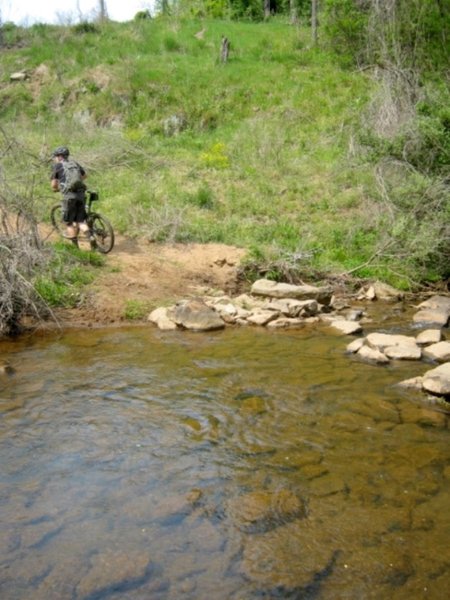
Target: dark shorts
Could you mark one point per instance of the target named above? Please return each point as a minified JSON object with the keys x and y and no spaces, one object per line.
{"x":74,"y":210}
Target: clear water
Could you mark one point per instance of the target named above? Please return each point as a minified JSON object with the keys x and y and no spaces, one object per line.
{"x":139,"y":464}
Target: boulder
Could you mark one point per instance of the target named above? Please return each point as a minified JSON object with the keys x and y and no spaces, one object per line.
{"x":354,"y":314}
{"x":196,"y":315}
{"x":395,"y":346}
{"x":293,"y":308}
{"x":404,"y":352}
{"x":372,"y":355}
{"x":436,"y":303}
{"x":381,"y":291}
{"x":346,"y":327}
{"x":285,"y":322}
{"x":432,"y":316}
{"x":380,"y":341}
{"x":434,"y":310}
{"x":247,"y":302}
{"x":263,"y":317}
{"x":355,"y":345}
{"x":413,"y":383}
{"x":439,"y":351}
{"x":161,"y":318}
{"x":272,"y":289}
{"x":228,"y":312}
{"x":429,"y":336}
{"x":437,"y":381}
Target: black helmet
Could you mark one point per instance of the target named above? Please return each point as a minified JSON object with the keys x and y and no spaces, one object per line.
{"x":61,"y":151}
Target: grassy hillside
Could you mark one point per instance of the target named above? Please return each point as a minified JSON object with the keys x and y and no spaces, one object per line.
{"x":266,"y":151}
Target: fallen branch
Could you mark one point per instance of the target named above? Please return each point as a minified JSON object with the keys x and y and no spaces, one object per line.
{"x":369,"y":260}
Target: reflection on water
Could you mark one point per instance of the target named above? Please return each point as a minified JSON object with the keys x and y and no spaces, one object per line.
{"x":243,"y":464}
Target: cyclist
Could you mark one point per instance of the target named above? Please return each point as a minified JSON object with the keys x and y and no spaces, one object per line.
{"x":73,"y":202}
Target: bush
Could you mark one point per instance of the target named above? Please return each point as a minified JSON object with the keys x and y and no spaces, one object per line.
{"x":142,"y":15}
{"x":20,"y":258}
{"x":85,"y":27}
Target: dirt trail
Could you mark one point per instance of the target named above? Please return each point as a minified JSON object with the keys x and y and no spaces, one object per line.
{"x":153,"y":275}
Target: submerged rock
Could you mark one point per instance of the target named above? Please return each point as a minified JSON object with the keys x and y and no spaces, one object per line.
{"x":288,"y":558}
{"x":112,"y":569}
{"x":262,"y":511}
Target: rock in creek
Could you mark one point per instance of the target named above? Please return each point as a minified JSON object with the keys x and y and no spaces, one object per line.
{"x":272,"y":289}
{"x":437,"y":381}
{"x":196,"y":315}
{"x":435,"y":310}
{"x":264,"y":510}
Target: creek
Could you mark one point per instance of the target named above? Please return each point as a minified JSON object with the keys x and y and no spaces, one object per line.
{"x":240,"y":464}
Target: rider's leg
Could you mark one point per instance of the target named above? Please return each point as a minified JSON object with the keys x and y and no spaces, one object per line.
{"x":72,"y":233}
{"x":84,"y":228}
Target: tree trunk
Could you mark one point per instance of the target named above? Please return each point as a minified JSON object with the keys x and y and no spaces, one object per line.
{"x":314,"y":4}
{"x":266,"y":9}
{"x":102,"y":10}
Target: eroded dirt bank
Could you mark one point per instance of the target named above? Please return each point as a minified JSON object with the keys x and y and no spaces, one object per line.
{"x":153,"y":275}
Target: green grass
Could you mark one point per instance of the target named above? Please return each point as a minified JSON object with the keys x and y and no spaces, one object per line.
{"x":136,"y":310}
{"x":67,"y":274}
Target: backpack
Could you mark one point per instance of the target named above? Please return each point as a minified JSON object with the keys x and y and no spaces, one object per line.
{"x":73,"y":180}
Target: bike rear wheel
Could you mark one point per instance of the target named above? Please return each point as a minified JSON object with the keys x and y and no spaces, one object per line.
{"x":102,"y":231}
{"x":56,"y":217}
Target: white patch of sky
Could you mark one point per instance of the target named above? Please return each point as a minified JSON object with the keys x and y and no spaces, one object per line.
{"x":27,"y":12}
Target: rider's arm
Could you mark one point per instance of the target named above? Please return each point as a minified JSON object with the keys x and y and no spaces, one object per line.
{"x":55,"y":176}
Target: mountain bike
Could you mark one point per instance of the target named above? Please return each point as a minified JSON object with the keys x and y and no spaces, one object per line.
{"x":101,"y":233}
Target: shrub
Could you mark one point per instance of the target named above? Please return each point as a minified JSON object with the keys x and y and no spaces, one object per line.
{"x":20,"y":258}
{"x":143,"y":15}
{"x":85,"y":27}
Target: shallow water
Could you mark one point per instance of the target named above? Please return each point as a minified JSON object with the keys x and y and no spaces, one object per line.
{"x":132,"y":457}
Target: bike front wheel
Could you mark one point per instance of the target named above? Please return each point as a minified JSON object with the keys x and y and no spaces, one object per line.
{"x":102,"y":231}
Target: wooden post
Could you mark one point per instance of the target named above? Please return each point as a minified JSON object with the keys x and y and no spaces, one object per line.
{"x":224,"y":49}
{"x":314,"y":21}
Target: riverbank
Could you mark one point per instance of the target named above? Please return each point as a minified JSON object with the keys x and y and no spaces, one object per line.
{"x":139,"y":276}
